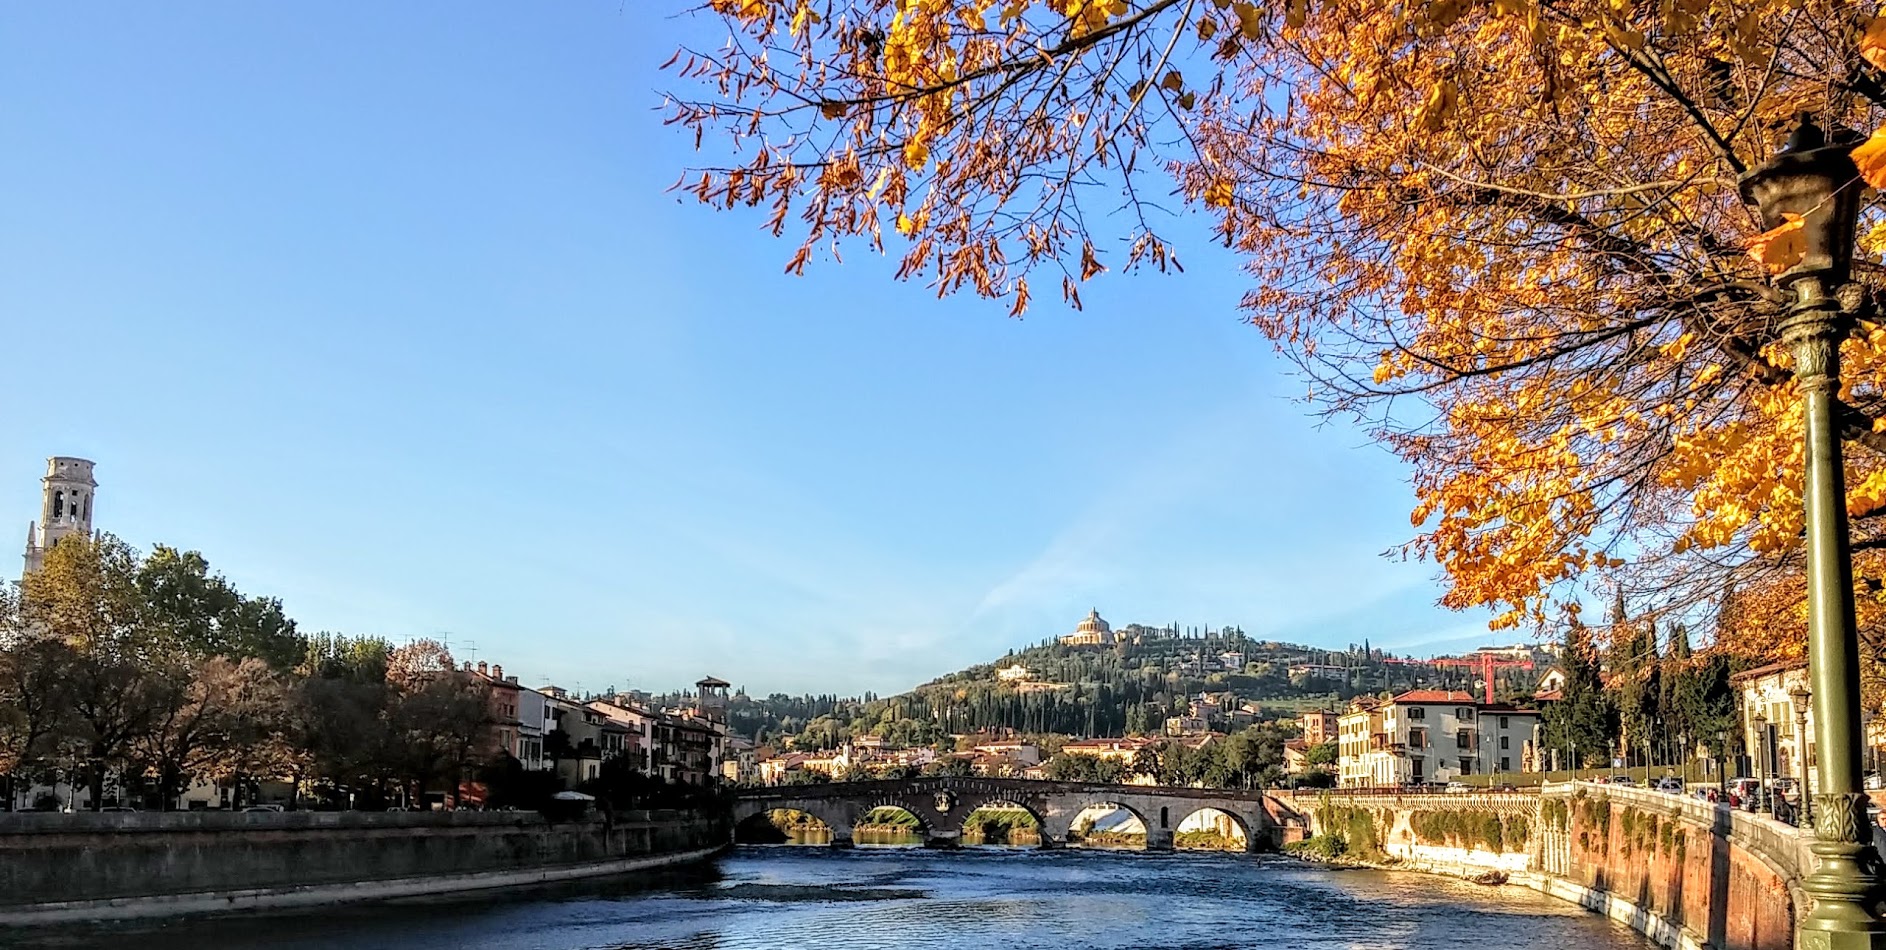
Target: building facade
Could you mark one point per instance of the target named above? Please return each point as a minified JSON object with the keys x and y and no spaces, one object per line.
{"x":1425,"y":736}
{"x":65,"y":508}
{"x":1771,"y":728}
{"x":1319,"y":726}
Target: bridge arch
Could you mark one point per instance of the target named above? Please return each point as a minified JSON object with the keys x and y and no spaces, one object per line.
{"x":781,"y":826}
{"x":1201,"y":821}
{"x":1066,"y":826}
{"x":970,"y":821}
{"x":867,"y":814}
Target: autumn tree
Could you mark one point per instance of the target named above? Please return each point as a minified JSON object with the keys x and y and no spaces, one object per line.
{"x":1506,"y":234}
{"x":85,"y":597}
{"x":435,"y":715}
{"x":225,"y":718}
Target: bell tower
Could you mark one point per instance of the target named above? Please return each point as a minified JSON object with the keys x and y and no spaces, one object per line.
{"x":65,"y":507}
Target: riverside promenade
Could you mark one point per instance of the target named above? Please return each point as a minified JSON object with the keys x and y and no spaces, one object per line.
{"x":120,"y":865}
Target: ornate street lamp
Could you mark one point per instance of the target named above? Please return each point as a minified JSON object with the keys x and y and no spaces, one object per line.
{"x":1815,"y":178}
{"x":1800,"y":696}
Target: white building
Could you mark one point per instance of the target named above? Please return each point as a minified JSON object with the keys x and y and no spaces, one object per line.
{"x":1012,"y":673}
{"x":1424,"y":736}
{"x":1770,"y":726}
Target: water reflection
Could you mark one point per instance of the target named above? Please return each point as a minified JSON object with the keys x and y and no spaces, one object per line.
{"x":784,"y":898}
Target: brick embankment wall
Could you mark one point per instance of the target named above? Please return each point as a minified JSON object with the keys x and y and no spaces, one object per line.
{"x":117,"y":865}
{"x":1684,"y":872}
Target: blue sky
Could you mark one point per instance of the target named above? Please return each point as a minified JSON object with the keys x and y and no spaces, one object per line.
{"x":388,"y":311}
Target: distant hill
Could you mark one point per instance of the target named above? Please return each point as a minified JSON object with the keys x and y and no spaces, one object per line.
{"x":1129,"y":686}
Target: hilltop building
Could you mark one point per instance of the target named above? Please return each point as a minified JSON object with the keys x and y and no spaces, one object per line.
{"x":65,"y":507}
{"x":1090,"y":632}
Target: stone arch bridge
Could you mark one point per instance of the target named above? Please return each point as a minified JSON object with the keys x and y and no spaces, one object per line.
{"x":943,"y":804}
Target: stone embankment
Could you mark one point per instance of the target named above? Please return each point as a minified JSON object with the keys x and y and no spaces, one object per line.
{"x":1682,"y":871}
{"x":120,"y":865}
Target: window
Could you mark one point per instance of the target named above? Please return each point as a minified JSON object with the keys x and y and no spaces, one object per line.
{"x":1503,"y":744}
{"x":1464,"y":712}
{"x":1506,"y":764}
{"x":1463,"y":739}
{"x":1416,"y":712}
{"x":1502,"y":722}
{"x":1466,"y":766}
{"x":1417,"y":738}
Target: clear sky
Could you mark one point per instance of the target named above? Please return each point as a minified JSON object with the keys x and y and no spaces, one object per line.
{"x":386,"y":309}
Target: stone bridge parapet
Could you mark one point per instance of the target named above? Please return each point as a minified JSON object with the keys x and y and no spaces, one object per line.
{"x":941,"y":806}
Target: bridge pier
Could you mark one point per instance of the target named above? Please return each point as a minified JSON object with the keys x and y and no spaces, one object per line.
{"x":1159,"y":839}
{"x":841,"y":840}
{"x":944,"y":840}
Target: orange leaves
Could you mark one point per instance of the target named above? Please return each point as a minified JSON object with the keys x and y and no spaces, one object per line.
{"x":1870,"y":156}
{"x":1872,"y":44}
{"x":1491,"y":210}
{"x":1780,"y":247}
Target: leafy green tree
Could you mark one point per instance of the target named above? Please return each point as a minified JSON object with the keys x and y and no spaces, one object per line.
{"x":1583,"y":723}
{"x":1322,"y":755}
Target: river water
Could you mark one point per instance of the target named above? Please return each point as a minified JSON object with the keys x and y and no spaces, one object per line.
{"x":785,"y":898}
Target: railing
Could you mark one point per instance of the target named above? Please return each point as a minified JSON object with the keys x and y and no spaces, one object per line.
{"x":30,"y":823}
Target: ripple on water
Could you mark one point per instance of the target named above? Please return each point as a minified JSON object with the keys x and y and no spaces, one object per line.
{"x":783,"y":898}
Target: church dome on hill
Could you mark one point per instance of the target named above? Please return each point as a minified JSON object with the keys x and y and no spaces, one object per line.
{"x":1091,"y":631}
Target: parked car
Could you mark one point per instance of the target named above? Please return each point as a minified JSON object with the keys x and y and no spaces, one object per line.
{"x":267,"y":808}
{"x":1456,"y":788}
{"x":1670,"y":785}
{"x":117,"y":808}
{"x":1624,"y":780}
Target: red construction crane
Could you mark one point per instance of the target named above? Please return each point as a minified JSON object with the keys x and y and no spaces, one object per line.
{"x":1487,"y":663}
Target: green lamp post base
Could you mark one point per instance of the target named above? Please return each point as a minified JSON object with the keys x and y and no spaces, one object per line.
{"x":1845,"y":885}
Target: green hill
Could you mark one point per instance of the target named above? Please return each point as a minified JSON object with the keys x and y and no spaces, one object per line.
{"x":1128,"y":687}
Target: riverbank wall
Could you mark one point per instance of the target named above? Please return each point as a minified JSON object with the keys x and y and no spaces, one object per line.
{"x":121,"y":865}
{"x":1684,"y":872}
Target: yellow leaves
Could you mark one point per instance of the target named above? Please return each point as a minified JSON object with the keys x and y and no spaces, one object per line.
{"x":1870,"y":157}
{"x":803,"y":18}
{"x":1250,"y":19}
{"x":1173,"y":82}
{"x":1873,"y":42}
{"x":906,"y":225}
{"x":916,"y":154}
{"x":1296,"y":13}
{"x":1219,"y":194}
{"x":1443,"y":98}
{"x":1780,"y":247}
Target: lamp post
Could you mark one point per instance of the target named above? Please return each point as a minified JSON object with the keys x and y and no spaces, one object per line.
{"x":1800,"y":696}
{"x":1816,"y":180}
{"x":1761,"y":761}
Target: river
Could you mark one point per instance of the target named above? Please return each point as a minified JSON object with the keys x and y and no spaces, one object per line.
{"x":784,"y":898}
